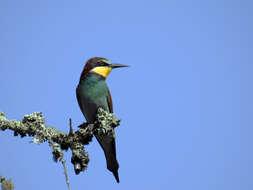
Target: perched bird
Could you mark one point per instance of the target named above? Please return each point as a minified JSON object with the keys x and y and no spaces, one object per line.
{"x":92,"y":92}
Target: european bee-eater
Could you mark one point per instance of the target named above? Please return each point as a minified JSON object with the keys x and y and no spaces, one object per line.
{"x":92,"y":92}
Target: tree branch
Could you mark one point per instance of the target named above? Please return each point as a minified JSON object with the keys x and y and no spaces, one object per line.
{"x":34,"y":125}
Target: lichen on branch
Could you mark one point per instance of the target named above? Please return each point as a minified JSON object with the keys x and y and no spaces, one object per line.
{"x":34,"y":125}
{"x":6,"y":184}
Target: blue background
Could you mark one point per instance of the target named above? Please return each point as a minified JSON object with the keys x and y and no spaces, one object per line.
{"x":185,"y":103}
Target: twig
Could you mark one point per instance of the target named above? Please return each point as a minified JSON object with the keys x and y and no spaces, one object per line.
{"x":58,"y":155}
{"x":70,"y":127}
{"x":65,"y":172}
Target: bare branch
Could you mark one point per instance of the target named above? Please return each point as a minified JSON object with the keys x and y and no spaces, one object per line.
{"x":58,"y":154}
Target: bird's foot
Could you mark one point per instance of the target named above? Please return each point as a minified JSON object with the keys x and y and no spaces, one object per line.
{"x":90,"y":127}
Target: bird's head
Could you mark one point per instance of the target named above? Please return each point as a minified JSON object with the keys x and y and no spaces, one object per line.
{"x":100,"y":66}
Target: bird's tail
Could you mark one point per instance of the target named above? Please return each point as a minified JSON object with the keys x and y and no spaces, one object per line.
{"x":116,"y":175}
{"x":109,"y":147}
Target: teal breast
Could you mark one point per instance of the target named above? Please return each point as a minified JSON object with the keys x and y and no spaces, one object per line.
{"x":91,"y":94}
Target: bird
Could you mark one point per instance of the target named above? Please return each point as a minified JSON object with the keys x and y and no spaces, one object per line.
{"x":92,"y":93}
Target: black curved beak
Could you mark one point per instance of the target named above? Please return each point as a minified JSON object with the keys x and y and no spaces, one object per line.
{"x":116,"y":65}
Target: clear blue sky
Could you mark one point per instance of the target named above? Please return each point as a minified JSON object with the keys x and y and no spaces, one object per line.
{"x":185,"y":103}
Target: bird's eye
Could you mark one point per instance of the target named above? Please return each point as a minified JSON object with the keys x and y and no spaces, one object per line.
{"x":101,"y":63}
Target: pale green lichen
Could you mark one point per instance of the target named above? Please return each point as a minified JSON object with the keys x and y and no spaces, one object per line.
{"x":80,"y":158}
{"x":1,"y":114}
{"x":6,"y":184}
{"x":105,"y":123}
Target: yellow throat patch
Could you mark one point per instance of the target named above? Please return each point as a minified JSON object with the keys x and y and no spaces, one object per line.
{"x":103,"y":71}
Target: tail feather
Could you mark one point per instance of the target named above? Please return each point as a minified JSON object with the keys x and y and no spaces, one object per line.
{"x":116,"y":175}
{"x":109,"y":147}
